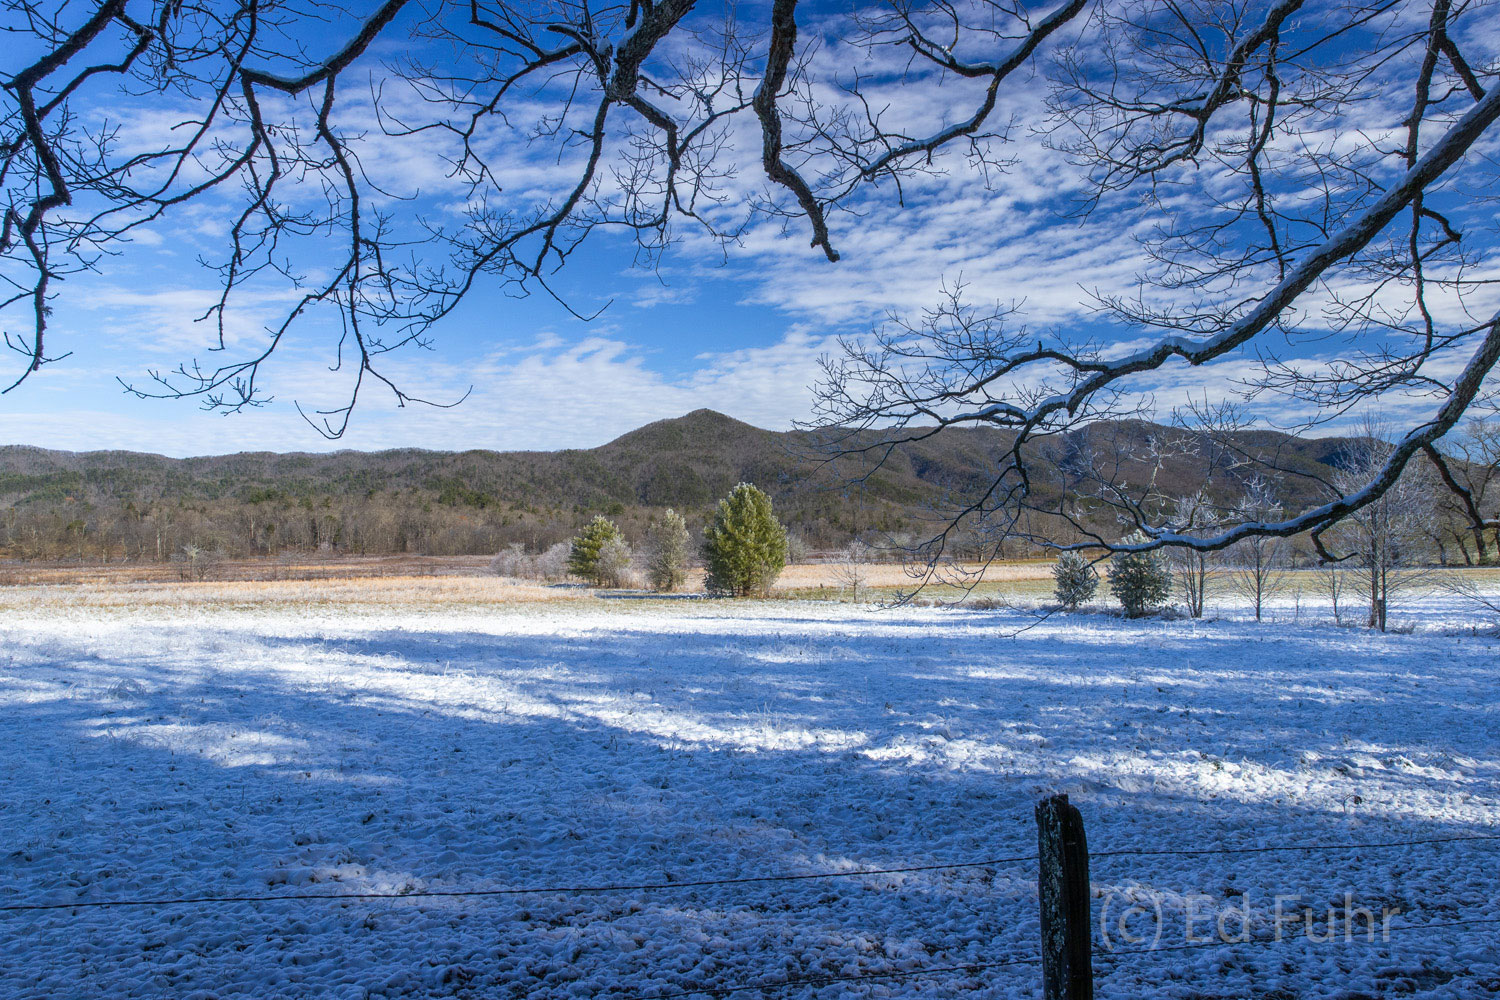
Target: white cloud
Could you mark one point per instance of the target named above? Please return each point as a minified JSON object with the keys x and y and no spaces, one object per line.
{"x":545,"y":395}
{"x":170,"y":319}
{"x":587,"y":393}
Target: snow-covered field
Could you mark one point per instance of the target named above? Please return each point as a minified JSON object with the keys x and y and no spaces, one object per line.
{"x":201,"y":752}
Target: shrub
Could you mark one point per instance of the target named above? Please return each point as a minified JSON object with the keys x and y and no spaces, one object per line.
{"x":1075,"y":578}
{"x":744,"y":546}
{"x":1140,"y":581}
{"x":667,"y":542}
{"x":583,"y":557}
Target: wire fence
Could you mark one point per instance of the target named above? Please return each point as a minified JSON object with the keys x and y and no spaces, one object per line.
{"x":810,"y":982}
{"x":584,"y":890}
{"x":563,"y":890}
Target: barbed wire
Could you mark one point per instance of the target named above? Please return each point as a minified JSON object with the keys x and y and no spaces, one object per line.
{"x":575,"y":890}
{"x":819,"y":981}
{"x":581,"y":890}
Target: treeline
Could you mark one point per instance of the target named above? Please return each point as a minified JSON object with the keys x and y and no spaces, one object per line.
{"x":413,"y":522}
{"x":381,"y":523}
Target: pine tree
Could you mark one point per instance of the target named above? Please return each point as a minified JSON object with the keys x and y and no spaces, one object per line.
{"x":745,"y":546}
{"x":1140,"y":581}
{"x":1075,"y":579}
{"x":667,"y":542}
{"x":583,"y":559}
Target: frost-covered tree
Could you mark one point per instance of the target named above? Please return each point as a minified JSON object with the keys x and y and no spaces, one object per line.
{"x":1385,"y":538}
{"x":612,"y":569}
{"x":666,"y":551}
{"x":1333,"y":579}
{"x":744,"y":547}
{"x":515,"y":562}
{"x":852,"y":572}
{"x":198,"y":562}
{"x":583,"y":558}
{"x":1259,"y":561}
{"x":1141,"y":580}
{"x":552,"y":565}
{"x":1194,"y":568}
{"x":1074,"y":579}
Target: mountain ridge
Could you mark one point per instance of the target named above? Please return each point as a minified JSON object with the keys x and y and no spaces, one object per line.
{"x":477,"y":500}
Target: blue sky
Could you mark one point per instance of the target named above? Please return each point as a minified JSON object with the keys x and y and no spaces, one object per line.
{"x":540,"y":378}
{"x":741,"y":335}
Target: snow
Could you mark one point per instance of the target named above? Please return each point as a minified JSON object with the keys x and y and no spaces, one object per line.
{"x":275,"y":750}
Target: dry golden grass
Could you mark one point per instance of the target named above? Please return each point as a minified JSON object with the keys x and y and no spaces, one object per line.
{"x":233,"y":570}
{"x":438,"y":593}
{"x":340,"y":568}
{"x":894,"y":575}
{"x":113,"y":592}
{"x":373,"y":584}
{"x":1028,"y":581}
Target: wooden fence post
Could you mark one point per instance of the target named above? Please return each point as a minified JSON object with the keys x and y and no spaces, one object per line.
{"x":1063,"y":885}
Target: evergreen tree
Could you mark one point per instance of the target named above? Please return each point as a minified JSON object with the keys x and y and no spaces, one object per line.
{"x":583,"y":559}
{"x":1075,"y":579}
{"x":667,"y":542}
{"x":1140,"y":581}
{"x":745,"y":546}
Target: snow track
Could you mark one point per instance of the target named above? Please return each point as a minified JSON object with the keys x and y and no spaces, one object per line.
{"x":252,"y":753}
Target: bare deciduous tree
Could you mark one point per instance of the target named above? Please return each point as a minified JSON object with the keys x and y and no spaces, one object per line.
{"x":1259,"y":565}
{"x":1193,"y":568}
{"x":1299,"y":172}
{"x":1472,"y":594}
{"x":851,"y":572}
{"x":289,"y":125}
{"x":1333,"y":578}
{"x":1468,"y":472}
{"x":1385,"y":536}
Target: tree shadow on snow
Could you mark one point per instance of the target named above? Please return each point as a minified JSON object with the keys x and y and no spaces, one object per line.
{"x":241,"y":762}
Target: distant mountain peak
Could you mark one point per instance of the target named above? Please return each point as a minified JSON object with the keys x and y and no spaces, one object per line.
{"x":701,"y":426}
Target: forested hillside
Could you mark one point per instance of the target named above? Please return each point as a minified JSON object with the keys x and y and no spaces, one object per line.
{"x":124,"y":505}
